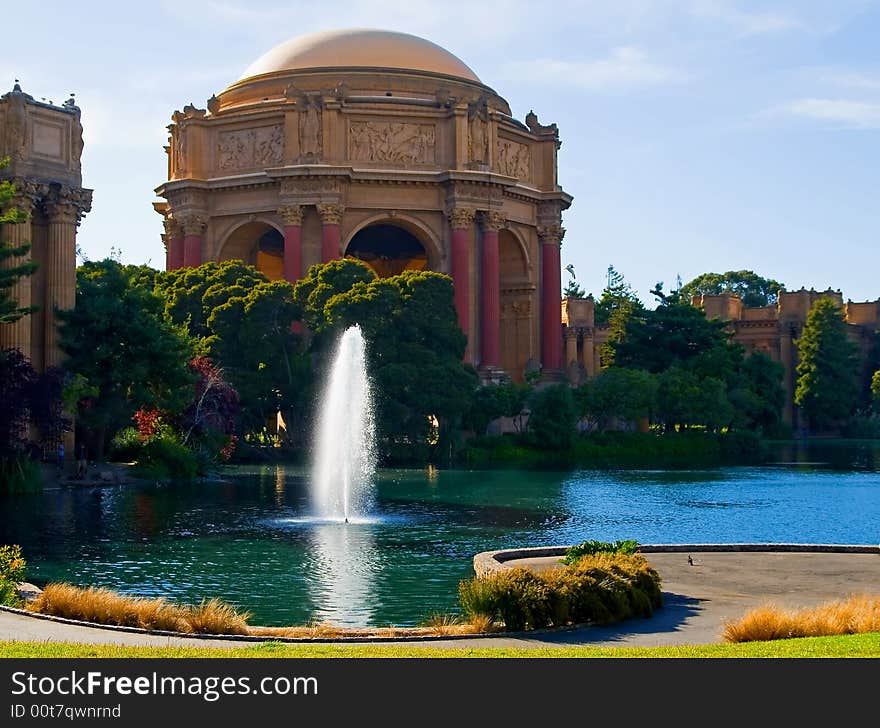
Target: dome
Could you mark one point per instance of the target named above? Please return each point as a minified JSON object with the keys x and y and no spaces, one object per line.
{"x":360,"y":48}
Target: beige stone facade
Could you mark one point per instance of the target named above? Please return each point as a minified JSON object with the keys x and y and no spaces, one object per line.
{"x":44,"y":144}
{"x":772,"y":330}
{"x":389,"y":148}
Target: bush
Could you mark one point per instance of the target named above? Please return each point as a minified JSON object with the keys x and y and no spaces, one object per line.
{"x":19,"y":474}
{"x":589,"y":548}
{"x":552,"y":417}
{"x":599,"y":588}
{"x":12,"y":572}
{"x":166,"y":457}
{"x":126,"y":446}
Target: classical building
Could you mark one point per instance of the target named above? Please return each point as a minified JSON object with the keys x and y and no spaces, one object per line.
{"x":773,"y":330}
{"x":43,"y":143}
{"x":385,"y":147}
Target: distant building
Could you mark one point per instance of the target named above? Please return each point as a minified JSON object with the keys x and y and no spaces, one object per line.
{"x":772,"y":330}
{"x":384,"y":147}
{"x":44,"y":144}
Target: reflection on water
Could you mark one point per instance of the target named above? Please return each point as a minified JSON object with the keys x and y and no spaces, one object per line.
{"x":247,"y":537}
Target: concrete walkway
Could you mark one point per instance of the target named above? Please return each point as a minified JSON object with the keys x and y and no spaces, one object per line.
{"x":698,"y":600}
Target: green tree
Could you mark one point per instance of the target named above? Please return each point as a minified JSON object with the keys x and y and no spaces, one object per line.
{"x":617,"y":394}
{"x":552,"y":417}
{"x":753,"y":289}
{"x":757,"y":394}
{"x":875,"y":386}
{"x":572,"y":288}
{"x":13,"y":264}
{"x":826,"y":382}
{"x":489,"y":402}
{"x":617,"y":295}
{"x":414,"y":349}
{"x":118,"y":342}
{"x":685,"y":400}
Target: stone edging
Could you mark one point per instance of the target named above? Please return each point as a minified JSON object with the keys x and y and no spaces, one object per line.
{"x":489,"y":562}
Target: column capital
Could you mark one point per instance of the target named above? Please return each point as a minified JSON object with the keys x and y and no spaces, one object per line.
{"x":461,"y":217}
{"x":68,"y":204}
{"x":330,"y":214}
{"x":291,"y":214}
{"x":173,"y":228}
{"x":193,"y":223}
{"x":551,"y":234}
{"x":493,"y":220}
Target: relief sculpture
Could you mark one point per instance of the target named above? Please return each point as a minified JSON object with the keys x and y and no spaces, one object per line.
{"x":513,"y":159}
{"x":248,"y":148}
{"x":394,"y":143}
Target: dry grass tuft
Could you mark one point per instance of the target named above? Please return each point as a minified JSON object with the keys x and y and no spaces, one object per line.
{"x":856,"y":615}
{"x":103,"y":606}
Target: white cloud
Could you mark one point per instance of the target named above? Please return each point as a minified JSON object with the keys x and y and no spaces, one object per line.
{"x":853,"y":80}
{"x":756,"y":22}
{"x":847,"y":113}
{"x":625,"y":67}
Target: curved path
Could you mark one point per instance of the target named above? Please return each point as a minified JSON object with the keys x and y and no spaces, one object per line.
{"x":699,"y":598}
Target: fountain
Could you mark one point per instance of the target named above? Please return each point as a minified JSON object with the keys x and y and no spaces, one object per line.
{"x":345,"y":460}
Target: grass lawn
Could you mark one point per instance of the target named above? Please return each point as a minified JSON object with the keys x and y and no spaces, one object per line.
{"x":861,"y":645}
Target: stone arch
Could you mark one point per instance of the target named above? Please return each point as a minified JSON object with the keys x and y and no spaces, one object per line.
{"x":517,"y":303}
{"x":514,"y":256}
{"x":258,"y":242}
{"x":426,"y":236}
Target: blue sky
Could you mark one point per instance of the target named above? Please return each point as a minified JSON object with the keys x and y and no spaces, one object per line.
{"x":698,"y":135}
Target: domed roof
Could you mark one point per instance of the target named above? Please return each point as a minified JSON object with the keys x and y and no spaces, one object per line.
{"x":360,"y":48}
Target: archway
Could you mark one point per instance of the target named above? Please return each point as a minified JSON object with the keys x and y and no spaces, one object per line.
{"x":258,"y":244}
{"x":517,"y":292}
{"x":388,"y":249}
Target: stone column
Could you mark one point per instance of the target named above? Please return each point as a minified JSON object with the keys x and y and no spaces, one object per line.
{"x":17,"y":335}
{"x":292,"y":215}
{"x":550,"y":238}
{"x":490,"y":292}
{"x":571,"y":347}
{"x":461,"y":220}
{"x":174,"y":244}
{"x":193,"y":229}
{"x":63,"y":217}
{"x":331,"y":220}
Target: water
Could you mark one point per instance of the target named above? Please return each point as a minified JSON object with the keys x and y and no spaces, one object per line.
{"x":250,"y":539}
{"x":345,"y":460}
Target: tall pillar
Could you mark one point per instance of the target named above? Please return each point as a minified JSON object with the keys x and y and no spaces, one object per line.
{"x":193,"y":229}
{"x":550,"y":238}
{"x":331,"y":220}
{"x":490,"y":292}
{"x":17,"y":335}
{"x":292,"y":215}
{"x":173,"y":243}
{"x":571,"y":347}
{"x":63,"y":217}
{"x":461,"y":220}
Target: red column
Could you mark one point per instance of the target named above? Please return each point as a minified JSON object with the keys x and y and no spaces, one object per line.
{"x":175,"y":253}
{"x":490,"y":293}
{"x":292,"y":216}
{"x":193,"y":227}
{"x":331,"y":220}
{"x":461,"y":221}
{"x":551,"y":297}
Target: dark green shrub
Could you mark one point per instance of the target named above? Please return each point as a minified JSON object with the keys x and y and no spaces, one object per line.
{"x":589,"y":548}
{"x":126,"y":446}
{"x":478,"y":598}
{"x":12,"y":573}
{"x":166,"y":457}
{"x":19,"y":474}
{"x":524,"y":600}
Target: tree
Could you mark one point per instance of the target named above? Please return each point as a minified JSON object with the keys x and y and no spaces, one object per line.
{"x":414,"y":345}
{"x":875,"y":386}
{"x":552,"y":417}
{"x":826,"y":382}
{"x":684,"y":400}
{"x":17,"y":378}
{"x":572,"y":288}
{"x":617,"y":394}
{"x":748,"y":285}
{"x":492,"y":401}
{"x":617,"y":295}
{"x":322,"y":283}
{"x":117,"y":340}
{"x":10,"y":271}
{"x":757,"y":394}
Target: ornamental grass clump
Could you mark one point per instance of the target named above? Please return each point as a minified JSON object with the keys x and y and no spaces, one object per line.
{"x":598,"y":589}
{"x":856,"y":615}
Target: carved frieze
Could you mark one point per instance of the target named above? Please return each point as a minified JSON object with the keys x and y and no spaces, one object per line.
{"x":310,"y":133}
{"x":250,"y":148}
{"x":517,"y":308}
{"x":310,"y":185}
{"x":478,"y":134}
{"x":513,"y":159}
{"x":397,"y":143}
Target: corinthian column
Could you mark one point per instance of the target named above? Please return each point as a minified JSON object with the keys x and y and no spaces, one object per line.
{"x":550,"y":237}
{"x":490,"y":291}
{"x":292,"y":215}
{"x":17,"y":335}
{"x":193,"y":228}
{"x":63,"y":214}
{"x":331,"y":220}
{"x":461,"y":221}
{"x":174,"y":244}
